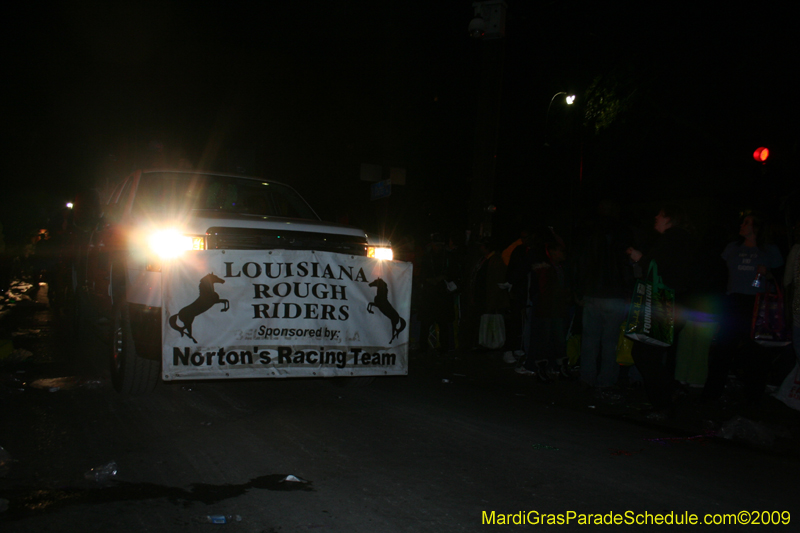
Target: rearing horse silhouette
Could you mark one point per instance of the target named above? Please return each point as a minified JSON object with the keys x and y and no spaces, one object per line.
{"x":208,"y":297}
{"x":382,"y":303}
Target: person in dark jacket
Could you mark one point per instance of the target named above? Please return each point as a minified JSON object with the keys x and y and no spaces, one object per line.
{"x":604,"y":282}
{"x":517,"y":272}
{"x":674,"y":254}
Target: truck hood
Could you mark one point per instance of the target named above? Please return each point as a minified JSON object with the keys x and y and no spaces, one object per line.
{"x":200,"y":220}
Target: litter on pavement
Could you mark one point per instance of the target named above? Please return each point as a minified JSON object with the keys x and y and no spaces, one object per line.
{"x":222,"y":519}
{"x":293,"y":479}
{"x":743,"y":429}
{"x":102,"y":473}
{"x":667,"y":440}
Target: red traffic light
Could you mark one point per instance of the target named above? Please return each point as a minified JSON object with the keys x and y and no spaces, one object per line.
{"x":761,"y":154}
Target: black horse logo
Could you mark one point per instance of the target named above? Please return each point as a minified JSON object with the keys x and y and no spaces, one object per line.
{"x":382,"y":303}
{"x":208,"y":297}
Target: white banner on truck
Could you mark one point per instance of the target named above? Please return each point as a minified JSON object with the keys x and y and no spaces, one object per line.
{"x":284,"y":313}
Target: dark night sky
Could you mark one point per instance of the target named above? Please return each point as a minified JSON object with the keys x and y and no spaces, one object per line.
{"x":307,"y":91}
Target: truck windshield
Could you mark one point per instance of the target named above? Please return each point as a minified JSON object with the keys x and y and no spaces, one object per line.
{"x":172,"y":193}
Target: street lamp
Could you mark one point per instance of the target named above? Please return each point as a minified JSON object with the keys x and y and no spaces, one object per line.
{"x":569,"y":99}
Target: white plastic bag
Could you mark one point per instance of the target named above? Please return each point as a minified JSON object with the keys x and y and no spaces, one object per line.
{"x":492,"y":333}
{"x":789,"y":393}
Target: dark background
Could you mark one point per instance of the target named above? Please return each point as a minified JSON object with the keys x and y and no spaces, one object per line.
{"x":671,"y":103}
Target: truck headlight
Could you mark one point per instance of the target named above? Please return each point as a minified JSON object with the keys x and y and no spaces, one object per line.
{"x":380,"y":252}
{"x":168,"y":244}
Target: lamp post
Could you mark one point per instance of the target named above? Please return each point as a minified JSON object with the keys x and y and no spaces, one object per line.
{"x":559,"y":160}
{"x":569,"y":100}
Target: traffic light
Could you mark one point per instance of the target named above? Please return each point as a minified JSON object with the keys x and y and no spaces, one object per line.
{"x":761,"y":154}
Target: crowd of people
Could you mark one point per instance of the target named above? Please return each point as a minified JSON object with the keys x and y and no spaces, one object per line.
{"x":563,"y":307}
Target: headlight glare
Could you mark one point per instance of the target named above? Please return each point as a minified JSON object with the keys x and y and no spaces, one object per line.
{"x":380,"y":252}
{"x":168,"y":244}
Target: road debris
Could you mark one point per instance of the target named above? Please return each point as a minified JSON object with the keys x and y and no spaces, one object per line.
{"x":102,"y":473}
{"x":667,"y":440}
{"x":64,"y":383}
{"x":293,"y":479}
{"x":27,"y":333}
{"x":743,"y":429}
{"x":222,"y":519}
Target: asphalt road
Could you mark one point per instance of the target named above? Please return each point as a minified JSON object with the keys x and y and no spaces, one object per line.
{"x":416,"y":453}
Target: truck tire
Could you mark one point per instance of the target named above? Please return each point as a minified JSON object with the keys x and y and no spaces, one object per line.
{"x":131,"y":374}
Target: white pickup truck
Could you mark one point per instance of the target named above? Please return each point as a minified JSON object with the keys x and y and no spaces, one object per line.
{"x":155,"y":215}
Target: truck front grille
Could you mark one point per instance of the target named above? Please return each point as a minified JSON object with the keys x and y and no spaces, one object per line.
{"x":261,"y":239}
